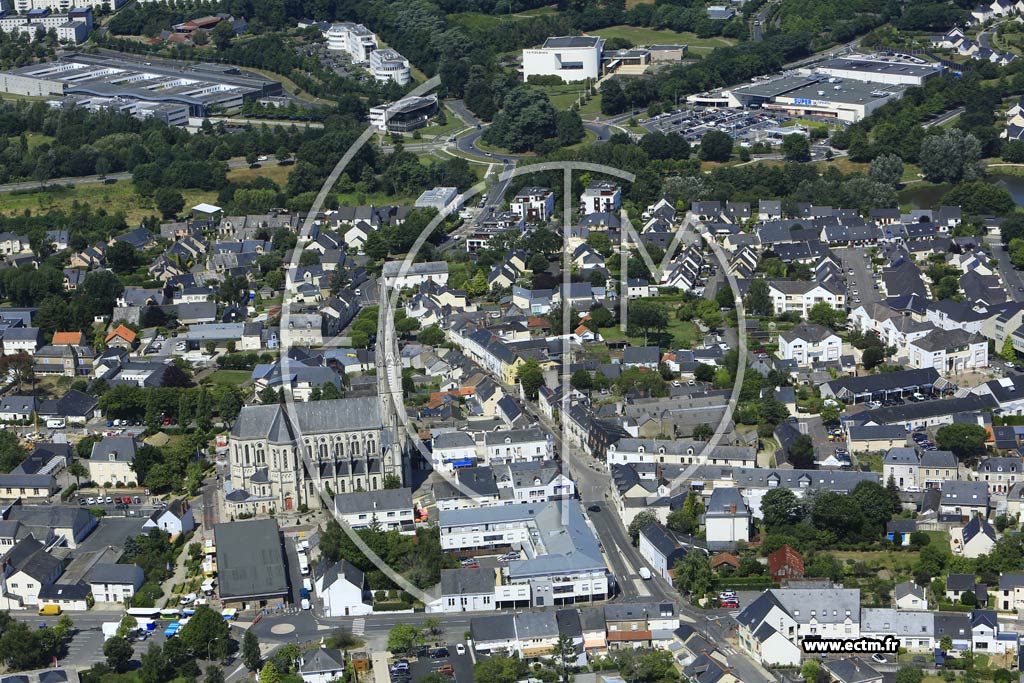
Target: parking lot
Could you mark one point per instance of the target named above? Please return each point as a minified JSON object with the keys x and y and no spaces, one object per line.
{"x":444,"y":660}
{"x":694,"y":122}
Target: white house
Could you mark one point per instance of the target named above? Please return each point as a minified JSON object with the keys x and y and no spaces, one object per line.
{"x":534,"y":481}
{"x":518,"y":445}
{"x":571,"y":58}
{"x":453,"y":449}
{"x":534,"y":204}
{"x":399,"y":276}
{"x":909,"y":596}
{"x":949,"y":351}
{"x":390,"y":508}
{"x":111,"y":460}
{"x":115,"y":582}
{"x":800,"y":296}
{"x":727,"y":518}
{"x":27,"y":567}
{"x":322,"y":666}
{"x":465,"y":590}
{"x":176,"y":518}
{"x":341,"y":590}
{"x":601,"y":196}
{"x":902,"y":465}
{"x":808,"y":343}
{"x":974,"y":539}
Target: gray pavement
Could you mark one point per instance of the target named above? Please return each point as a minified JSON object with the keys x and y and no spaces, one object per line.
{"x":1010,"y":275}
{"x":861,"y":280}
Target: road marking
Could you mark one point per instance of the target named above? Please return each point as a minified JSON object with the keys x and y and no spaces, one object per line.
{"x":641,"y":588}
{"x":358,"y":626}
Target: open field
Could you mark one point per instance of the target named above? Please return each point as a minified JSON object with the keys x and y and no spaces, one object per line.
{"x":234,"y":377}
{"x":641,"y":35}
{"x":114,"y":198}
{"x":275,"y":172}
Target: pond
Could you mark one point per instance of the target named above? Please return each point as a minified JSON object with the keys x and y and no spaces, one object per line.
{"x":926,"y":196}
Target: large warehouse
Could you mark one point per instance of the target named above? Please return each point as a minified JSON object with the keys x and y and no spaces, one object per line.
{"x":199,"y":86}
{"x":876,"y":70}
{"x":845,"y":100}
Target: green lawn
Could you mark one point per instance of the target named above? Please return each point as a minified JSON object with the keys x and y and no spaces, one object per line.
{"x":32,"y":139}
{"x":235,"y":377}
{"x":641,"y":35}
{"x":680,"y":335}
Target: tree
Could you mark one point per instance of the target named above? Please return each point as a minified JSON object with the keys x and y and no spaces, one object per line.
{"x":950,"y":156}
{"x":702,"y":432}
{"x":251,"y":656}
{"x":499,"y":670}
{"x":169,"y":201}
{"x":887,"y":169}
{"x":759,"y":301}
{"x":693,"y":574}
{"x":213,"y":674}
{"x":118,"y":652}
{"x":796,"y":147}
{"x":392,"y":481}
{"x":77,"y":470}
{"x":704,"y":372}
{"x":894,"y":494}
{"x":122,"y":258}
{"x":779,"y":507}
{"x":613,"y":99}
{"x":431,"y":335}
{"x":155,"y":668}
{"x":875,"y":503}
{"x":270,"y":674}
{"x":946,"y":643}
{"x":909,"y":674}
{"x":581,"y":380}
{"x":823,"y":314}
{"x":642,"y":519}
{"x":222,"y":34}
{"x":872,"y":357}
{"x":206,"y":634}
{"x":526,"y":119}
{"x":801,"y":453}
{"x":1008,"y":353}
{"x":967,"y":441}
{"x":564,"y":652}
{"x":647,"y":315}
{"x":230,"y":405}
{"x":715,"y":146}
{"x":810,"y":670}
{"x":531,"y":377}
{"x":404,"y":638}
{"x":538,"y":263}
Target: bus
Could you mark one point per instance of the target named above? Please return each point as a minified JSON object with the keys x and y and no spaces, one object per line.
{"x":143,"y":612}
{"x":170,"y":614}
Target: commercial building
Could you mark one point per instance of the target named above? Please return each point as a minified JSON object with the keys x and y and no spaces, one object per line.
{"x":571,"y":58}
{"x":534,"y":204}
{"x":250,"y":563}
{"x":814,"y":95}
{"x":200,"y":87}
{"x":878,"y":70}
{"x":563,"y":562}
{"x":405,"y":115}
{"x":353,"y":39}
{"x":437,"y":198}
{"x":388,"y":65}
{"x":171,"y":113}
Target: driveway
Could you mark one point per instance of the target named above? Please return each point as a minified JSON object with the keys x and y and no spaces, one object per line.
{"x":858,"y":259}
{"x":1009,"y":274}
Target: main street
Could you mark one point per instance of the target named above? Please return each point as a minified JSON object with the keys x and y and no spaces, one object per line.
{"x":1011,"y":276}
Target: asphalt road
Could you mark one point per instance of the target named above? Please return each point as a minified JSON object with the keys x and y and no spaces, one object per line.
{"x":1010,"y":275}
{"x":858,"y":259}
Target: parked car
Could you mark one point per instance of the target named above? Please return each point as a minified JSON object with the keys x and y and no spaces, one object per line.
{"x":879,"y":658}
{"x":460,"y":649}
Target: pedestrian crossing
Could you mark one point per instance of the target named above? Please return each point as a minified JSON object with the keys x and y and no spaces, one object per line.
{"x":358,"y":626}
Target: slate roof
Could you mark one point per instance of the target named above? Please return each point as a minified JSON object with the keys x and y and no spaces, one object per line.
{"x":250,"y":559}
{"x":464,"y":581}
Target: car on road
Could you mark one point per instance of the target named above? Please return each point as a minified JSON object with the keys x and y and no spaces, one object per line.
{"x":594,"y":508}
{"x":460,"y":649}
{"x":508,"y":557}
{"x":439,"y":653}
{"x":731,"y":603}
{"x":446,"y":669}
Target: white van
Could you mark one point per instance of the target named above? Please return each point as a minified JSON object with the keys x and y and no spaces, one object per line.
{"x":56,"y":423}
{"x":645,"y":573}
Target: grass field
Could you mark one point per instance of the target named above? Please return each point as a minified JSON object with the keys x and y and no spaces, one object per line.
{"x":33,"y":139}
{"x":118,"y":197}
{"x":641,"y":35}
{"x":540,"y":11}
{"x":275,"y":172}
{"x":235,"y":377}
{"x":684,"y":334}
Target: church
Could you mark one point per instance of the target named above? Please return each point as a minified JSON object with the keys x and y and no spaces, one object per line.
{"x":281,"y":456}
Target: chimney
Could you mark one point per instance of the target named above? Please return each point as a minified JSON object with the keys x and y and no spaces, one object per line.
{"x":732,"y":508}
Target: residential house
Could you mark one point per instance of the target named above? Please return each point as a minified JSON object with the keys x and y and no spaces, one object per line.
{"x":1000,"y":473}
{"x":342,"y":589}
{"x":662,"y":548}
{"x":111,"y":460}
{"x":907,"y":595}
{"x":974,"y":539}
{"x":727,"y":519}
{"x":390,"y":508}
{"x":116,"y":583}
{"x":322,"y":665}
{"x":809,"y":344}
{"x":964,"y":499}
{"x":902,"y":466}
{"x":800,"y":296}
{"x":175,"y":519}
{"x":466,"y":590}
{"x":949,"y":351}
{"x":784,"y":564}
